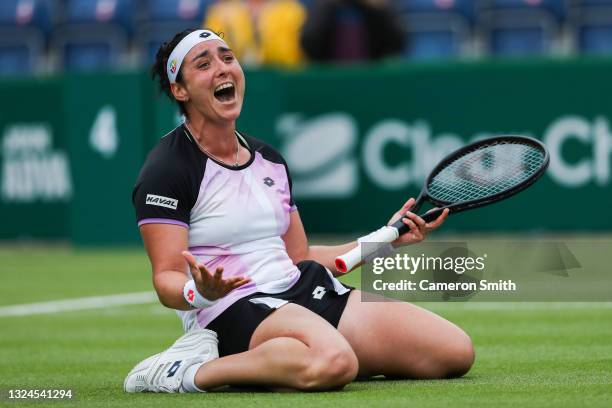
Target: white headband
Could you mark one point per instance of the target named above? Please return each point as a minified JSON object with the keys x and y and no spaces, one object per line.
{"x":183,"y":47}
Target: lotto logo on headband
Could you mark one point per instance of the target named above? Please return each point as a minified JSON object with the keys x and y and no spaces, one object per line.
{"x":205,"y":34}
{"x":173,"y":66}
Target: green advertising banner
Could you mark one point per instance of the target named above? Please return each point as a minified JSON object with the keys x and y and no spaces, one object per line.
{"x":106,"y":119}
{"x":358,"y":140}
{"x":36,"y":178}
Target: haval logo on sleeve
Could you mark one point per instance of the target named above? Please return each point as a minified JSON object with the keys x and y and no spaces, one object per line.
{"x":161,"y":201}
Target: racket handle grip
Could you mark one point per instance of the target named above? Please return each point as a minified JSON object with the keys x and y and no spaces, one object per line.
{"x":427,"y":217}
{"x":349,"y":260}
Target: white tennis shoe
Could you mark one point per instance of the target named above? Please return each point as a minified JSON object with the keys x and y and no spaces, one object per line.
{"x":163,"y":372}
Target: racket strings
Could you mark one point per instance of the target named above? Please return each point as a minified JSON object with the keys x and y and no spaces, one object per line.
{"x":486,"y":171}
{"x":490,"y":184}
{"x":467,"y":183}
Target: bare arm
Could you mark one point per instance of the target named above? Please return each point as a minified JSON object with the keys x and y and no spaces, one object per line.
{"x":164,"y":244}
{"x":298,"y":248}
{"x":167,"y":246}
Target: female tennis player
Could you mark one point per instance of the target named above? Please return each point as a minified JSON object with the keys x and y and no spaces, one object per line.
{"x":259,"y":305}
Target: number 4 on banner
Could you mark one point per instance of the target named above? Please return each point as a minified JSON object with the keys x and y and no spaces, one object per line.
{"x":103,"y":136}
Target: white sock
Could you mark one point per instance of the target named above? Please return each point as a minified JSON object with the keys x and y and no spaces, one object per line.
{"x":189,"y":378}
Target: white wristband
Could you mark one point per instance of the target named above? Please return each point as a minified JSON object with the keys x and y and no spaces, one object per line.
{"x":383,"y":249}
{"x":194,"y":298}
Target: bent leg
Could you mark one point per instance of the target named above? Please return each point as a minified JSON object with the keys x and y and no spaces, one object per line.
{"x":401,"y":339}
{"x":293,"y":347}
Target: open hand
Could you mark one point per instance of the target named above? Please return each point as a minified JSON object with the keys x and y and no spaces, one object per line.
{"x":212,"y":286}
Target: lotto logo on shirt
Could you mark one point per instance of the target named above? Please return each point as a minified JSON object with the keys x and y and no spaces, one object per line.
{"x":161,"y":201}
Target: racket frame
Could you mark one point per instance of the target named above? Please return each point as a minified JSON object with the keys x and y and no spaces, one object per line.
{"x":480,"y":202}
{"x":349,"y":260}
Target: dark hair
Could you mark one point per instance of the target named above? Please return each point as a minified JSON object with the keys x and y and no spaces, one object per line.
{"x":161,"y":62}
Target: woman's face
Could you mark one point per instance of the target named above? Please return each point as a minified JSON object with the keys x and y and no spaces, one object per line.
{"x":213,"y":81}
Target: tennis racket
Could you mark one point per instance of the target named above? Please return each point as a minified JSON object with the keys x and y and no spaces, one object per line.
{"x":476,"y":175}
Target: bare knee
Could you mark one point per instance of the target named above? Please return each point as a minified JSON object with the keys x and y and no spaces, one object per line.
{"x":452,"y":359}
{"x":465,"y":356}
{"x":458,"y":358}
{"x":331,"y":369}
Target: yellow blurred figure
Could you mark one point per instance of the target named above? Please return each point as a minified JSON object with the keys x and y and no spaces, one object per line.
{"x":279,"y":27}
{"x":233,"y":19}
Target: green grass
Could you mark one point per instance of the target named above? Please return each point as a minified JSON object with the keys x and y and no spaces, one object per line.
{"x":535,"y":355}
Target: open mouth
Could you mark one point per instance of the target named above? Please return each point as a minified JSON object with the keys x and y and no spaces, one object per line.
{"x":225,"y":92}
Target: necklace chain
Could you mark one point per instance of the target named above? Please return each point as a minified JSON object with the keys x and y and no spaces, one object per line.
{"x":236,"y":163}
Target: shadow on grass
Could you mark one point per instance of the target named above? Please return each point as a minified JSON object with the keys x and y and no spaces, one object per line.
{"x":373,"y":380}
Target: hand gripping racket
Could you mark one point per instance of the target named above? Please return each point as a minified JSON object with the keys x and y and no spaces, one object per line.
{"x":476,"y":175}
